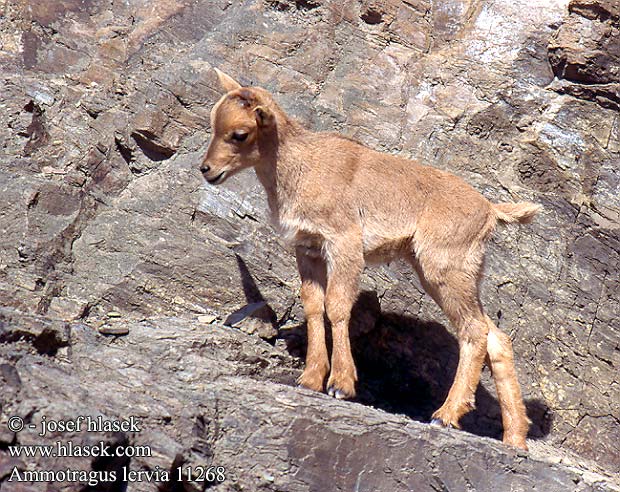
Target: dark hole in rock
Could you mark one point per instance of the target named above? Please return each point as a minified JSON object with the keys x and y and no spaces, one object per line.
{"x":372,"y":17}
{"x":31,"y":107}
{"x":281,"y":6}
{"x":36,"y":131}
{"x":306,"y":4}
{"x":48,"y":342}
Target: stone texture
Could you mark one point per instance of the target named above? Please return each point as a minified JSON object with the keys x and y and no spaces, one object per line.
{"x":104,"y":120}
{"x":214,"y":396}
{"x":585,"y":53}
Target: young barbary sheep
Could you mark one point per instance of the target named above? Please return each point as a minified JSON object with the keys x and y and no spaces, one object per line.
{"x":342,"y":205}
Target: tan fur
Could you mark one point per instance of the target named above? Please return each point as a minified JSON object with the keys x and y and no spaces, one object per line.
{"x":523,"y":213}
{"x":342,"y":205}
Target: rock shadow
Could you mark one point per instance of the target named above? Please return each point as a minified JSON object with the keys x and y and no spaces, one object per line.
{"x":257,"y":311}
{"x":406,"y":366}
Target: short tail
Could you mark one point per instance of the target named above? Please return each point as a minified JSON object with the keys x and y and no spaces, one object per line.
{"x":522,"y":212}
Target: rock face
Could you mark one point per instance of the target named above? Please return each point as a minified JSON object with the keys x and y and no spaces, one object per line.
{"x":585,"y":53}
{"x":105,"y":117}
{"x":213,"y":396}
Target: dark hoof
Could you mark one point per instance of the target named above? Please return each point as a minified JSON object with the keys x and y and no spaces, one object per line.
{"x":336,"y":393}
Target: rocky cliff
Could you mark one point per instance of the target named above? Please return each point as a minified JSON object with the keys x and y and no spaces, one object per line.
{"x":107,"y":226}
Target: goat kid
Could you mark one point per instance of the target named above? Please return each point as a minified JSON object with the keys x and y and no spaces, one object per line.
{"x":342,"y":205}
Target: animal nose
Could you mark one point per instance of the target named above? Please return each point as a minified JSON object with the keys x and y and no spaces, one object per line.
{"x":205,"y":168}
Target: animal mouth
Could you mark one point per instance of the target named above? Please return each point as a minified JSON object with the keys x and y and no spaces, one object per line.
{"x":218,"y":179}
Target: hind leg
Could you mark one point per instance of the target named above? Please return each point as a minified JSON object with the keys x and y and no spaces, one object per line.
{"x":501,"y":361}
{"x":456,"y":292}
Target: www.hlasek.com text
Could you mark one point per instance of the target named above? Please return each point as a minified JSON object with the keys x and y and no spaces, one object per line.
{"x":69,"y":449}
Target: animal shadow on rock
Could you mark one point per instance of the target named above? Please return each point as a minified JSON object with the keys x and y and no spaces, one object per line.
{"x":259,"y":316}
{"x":406,"y":365}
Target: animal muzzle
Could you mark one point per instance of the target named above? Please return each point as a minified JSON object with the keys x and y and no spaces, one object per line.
{"x":213,"y":176}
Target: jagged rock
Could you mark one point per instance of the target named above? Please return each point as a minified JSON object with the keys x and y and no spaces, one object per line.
{"x":255,"y":318}
{"x":105,"y":119}
{"x":585,"y":52}
{"x":213,"y":396}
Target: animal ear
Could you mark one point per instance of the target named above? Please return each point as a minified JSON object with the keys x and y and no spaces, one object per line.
{"x":226,"y":81}
{"x":264,"y":116}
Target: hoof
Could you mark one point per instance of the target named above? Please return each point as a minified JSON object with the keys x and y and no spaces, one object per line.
{"x":341,"y":385}
{"x":336,"y":393}
{"x":516,"y":442}
{"x":440,"y":423}
{"x":311,"y":380}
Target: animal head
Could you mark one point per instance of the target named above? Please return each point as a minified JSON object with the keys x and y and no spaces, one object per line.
{"x":240,"y":121}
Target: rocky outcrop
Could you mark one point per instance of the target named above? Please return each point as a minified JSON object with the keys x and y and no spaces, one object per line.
{"x":105,"y":111}
{"x":585,"y":53}
{"x":208,"y":396}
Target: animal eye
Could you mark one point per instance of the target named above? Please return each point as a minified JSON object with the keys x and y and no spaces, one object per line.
{"x":239,"y":135}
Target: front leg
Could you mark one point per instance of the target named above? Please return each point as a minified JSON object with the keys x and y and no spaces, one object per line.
{"x":313,"y":273}
{"x":346,"y":262}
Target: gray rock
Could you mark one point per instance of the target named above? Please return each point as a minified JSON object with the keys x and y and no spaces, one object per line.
{"x":105,"y":119}
{"x":213,"y":396}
